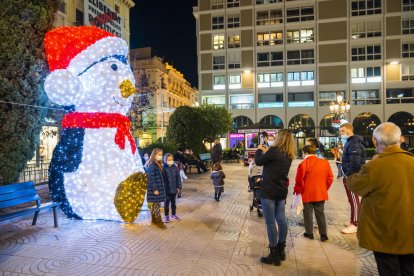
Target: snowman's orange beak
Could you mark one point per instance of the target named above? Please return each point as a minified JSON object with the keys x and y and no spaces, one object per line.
{"x":127,"y":88}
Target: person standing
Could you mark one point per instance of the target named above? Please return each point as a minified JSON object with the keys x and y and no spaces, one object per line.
{"x":155,"y":186}
{"x":173,"y":187}
{"x":216,"y":152}
{"x":276,"y":162}
{"x":217,"y":176}
{"x":352,"y":160}
{"x":404,"y":145}
{"x":338,"y":151}
{"x":314,"y":177}
{"x":387,"y":218}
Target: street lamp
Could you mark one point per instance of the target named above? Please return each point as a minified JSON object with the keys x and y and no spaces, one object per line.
{"x":339,"y":108}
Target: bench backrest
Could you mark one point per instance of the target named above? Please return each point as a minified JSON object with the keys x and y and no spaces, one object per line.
{"x":16,"y":194}
{"x":205,"y":156}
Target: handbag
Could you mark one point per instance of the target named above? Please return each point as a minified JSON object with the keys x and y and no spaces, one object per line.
{"x":297,"y":206}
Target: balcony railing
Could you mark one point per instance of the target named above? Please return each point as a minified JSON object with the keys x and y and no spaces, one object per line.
{"x":242,"y":106}
{"x":38,"y":172}
{"x":401,"y":100}
{"x":366,"y":101}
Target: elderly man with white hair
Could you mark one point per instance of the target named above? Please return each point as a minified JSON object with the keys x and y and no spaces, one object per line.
{"x":386,"y":184}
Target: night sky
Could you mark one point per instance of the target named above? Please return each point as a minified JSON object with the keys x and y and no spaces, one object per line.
{"x":169,"y":28}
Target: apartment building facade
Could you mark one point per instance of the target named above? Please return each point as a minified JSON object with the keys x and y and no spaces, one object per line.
{"x":282,"y":62}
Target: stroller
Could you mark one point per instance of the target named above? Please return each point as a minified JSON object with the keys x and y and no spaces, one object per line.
{"x":255,"y":183}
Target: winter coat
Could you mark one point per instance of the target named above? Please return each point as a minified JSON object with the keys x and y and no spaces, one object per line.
{"x":172,"y":179}
{"x":354,"y":155}
{"x":313,"y":179}
{"x":218,"y":182}
{"x":216,"y":153}
{"x":386,"y":218}
{"x":276,"y":165}
{"x":155,"y":182}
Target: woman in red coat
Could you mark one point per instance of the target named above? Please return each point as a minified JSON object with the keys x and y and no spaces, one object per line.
{"x":313,"y":179}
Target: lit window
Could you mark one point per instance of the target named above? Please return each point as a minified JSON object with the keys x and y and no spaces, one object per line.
{"x":233,"y":3}
{"x":407,"y":50}
{"x":366,"y":29}
{"x":234,"y":41}
{"x":269,"y":38}
{"x":233,"y":60}
{"x":217,"y":22}
{"x":300,"y":57}
{"x":269,"y":59}
{"x":303,"y":78}
{"x":364,"y":97}
{"x":270,"y":80}
{"x":373,"y":74}
{"x":408,"y":5}
{"x":365,"y":7}
{"x":299,"y":14}
{"x":241,"y":102}
{"x":260,"y":2}
{"x":219,"y":82}
{"x":366,"y":52}
{"x":218,"y":42}
{"x":400,"y":95}
{"x":234,"y":81}
{"x":407,"y":72}
{"x":270,"y":100}
{"x":300,"y":99}
{"x":269,"y":17}
{"x":214,"y":100}
{"x":368,"y":74}
{"x":233,"y":21}
{"x":326,"y":97}
{"x":299,"y":36}
{"x":408,"y":25}
{"x":218,"y":62}
{"x":217,"y":4}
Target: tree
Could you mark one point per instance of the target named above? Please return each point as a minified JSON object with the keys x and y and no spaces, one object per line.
{"x":215,"y":121}
{"x":23,"y":25}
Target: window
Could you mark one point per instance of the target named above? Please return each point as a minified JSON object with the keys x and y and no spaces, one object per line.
{"x":217,"y":22}
{"x":218,"y":42}
{"x":270,"y":80}
{"x":234,"y":41}
{"x":300,"y":99}
{"x":408,"y":25}
{"x":408,"y":5}
{"x":300,"y":57}
{"x":217,"y":4}
{"x":241,"y":102}
{"x":366,"y":52}
{"x":215,"y":100}
{"x":270,"y":100}
{"x":260,"y":2}
{"x":326,"y":97}
{"x":269,"y":38}
{"x":62,"y":7}
{"x":407,"y":72}
{"x":234,"y":81}
{"x":303,"y":78}
{"x":365,"y":29}
{"x":400,"y":95}
{"x":233,"y":20}
{"x":219,"y":82}
{"x":234,"y":60}
{"x":299,"y":14}
{"x":368,"y":74}
{"x":79,"y":18}
{"x":365,"y":7}
{"x":299,"y":36}
{"x":218,"y":62}
{"x":407,"y":50}
{"x":117,"y":8}
{"x":364,"y":97}
{"x":269,"y":17}
{"x":232,"y":3}
{"x":269,"y":59}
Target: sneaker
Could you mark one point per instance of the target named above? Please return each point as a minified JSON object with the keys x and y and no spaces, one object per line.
{"x":309,"y":236}
{"x":350,"y":229}
{"x":324,"y":238}
{"x":176,"y":217}
{"x":167,"y":219}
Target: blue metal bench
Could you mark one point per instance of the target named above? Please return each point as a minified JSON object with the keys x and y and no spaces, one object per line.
{"x":206,"y":158}
{"x":16,"y":194}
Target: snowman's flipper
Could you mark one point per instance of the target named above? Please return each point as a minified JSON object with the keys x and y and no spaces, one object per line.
{"x":130,"y":196}
{"x":66,"y":158}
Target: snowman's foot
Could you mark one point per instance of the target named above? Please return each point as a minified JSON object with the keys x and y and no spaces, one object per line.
{"x":130,"y":196}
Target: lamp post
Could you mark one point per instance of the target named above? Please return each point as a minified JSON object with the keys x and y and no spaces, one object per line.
{"x":339,"y":108}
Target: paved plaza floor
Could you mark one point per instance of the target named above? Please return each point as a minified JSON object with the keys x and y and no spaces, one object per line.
{"x":213,"y":238}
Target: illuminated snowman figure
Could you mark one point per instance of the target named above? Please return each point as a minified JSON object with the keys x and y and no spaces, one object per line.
{"x":96,"y":171}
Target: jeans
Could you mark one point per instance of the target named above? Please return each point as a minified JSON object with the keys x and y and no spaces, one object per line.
{"x":308,"y":209}
{"x":170,"y":198}
{"x":339,"y":165}
{"x":390,"y":264}
{"x":274,"y":210}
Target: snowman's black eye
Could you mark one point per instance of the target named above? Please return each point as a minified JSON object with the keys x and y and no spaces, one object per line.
{"x":114,"y":67}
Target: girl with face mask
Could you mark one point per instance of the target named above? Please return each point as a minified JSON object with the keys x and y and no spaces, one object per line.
{"x":172,"y":186}
{"x":155,"y":186}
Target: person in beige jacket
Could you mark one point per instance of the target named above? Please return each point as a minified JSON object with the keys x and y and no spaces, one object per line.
{"x":386,"y":224}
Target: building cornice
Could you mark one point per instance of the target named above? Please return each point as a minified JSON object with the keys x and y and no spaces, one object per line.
{"x":129,"y":3}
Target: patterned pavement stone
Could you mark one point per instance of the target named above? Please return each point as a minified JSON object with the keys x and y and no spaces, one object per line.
{"x":214,"y":238}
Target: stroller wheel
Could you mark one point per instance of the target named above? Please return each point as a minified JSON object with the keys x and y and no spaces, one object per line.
{"x":259,"y":214}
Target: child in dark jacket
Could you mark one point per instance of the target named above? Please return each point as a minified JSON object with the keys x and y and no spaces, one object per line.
{"x":173,"y":186}
{"x":217,"y":175}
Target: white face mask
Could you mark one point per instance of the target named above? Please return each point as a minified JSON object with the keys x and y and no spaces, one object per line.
{"x":271,"y":142}
{"x":146,"y":157}
{"x":158,"y":157}
{"x":170,"y":163}
{"x":344,"y":136}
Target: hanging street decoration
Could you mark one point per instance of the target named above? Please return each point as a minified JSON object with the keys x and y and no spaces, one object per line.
{"x":96,"y":171}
